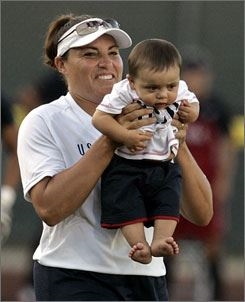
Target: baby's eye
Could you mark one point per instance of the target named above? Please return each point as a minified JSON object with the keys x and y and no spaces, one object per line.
{"x":151,"y":88}
{"x":172,"y":86}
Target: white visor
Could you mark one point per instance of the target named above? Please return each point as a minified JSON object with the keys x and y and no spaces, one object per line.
{"x":88,"y":31}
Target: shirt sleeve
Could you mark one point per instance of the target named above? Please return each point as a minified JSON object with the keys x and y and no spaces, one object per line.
{"x":38,"y":154}
{"x":120,"y":96}
{"x":185,"y":94}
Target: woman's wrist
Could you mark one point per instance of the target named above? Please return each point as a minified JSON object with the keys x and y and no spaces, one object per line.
{"x":108,"y":145}
{"x":183,"y":152}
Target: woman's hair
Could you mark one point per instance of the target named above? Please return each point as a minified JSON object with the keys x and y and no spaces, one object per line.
{"x":55,"y":30}
{"x":153,"y":54}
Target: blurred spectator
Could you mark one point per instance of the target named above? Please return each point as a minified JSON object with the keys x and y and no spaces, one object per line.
{"x":46,"y":88}
{"x":11,"y":174}
{"x":210,"y":143}
{"x":237,"y":131}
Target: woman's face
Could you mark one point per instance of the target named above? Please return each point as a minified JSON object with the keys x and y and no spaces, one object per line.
{"x":92,"y":70}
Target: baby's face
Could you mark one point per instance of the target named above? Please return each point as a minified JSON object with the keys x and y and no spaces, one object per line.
{"x":157,"y":88}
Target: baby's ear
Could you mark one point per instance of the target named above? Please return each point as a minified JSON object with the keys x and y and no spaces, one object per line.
{"x":131,"y":81}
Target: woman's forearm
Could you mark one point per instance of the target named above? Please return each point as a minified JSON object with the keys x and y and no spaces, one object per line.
{"x":58,"y":197}
{"x":196,"y":202}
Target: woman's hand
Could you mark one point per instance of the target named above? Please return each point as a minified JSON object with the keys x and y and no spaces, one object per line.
{"x":131,"y":116}
{"x":182,"y":129}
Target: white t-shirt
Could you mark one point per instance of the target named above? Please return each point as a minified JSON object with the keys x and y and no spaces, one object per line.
{"x":52,"y":138}
{"x":163,"y":142}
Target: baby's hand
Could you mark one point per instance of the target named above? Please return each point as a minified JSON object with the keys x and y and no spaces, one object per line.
{"x":137,"y":140}
{"x":188,"y":112}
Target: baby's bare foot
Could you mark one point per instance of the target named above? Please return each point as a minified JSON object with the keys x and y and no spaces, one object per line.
{"x":164,"y":247}
{"x":140,"y":252}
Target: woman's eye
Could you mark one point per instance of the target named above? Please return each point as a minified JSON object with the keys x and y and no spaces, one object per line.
{"x":114,"y":53}
{"x":90,"y":54}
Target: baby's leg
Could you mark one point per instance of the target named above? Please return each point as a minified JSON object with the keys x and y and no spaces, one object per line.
{"x":163,"y":243}
{"x":140,"y":249}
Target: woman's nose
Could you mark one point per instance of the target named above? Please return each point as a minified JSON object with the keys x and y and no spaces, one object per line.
{"x":104,"y":60}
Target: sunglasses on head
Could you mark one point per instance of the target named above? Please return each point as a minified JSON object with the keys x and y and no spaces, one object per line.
{"x":92,"y":25}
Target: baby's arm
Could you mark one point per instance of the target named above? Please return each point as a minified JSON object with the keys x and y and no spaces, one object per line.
{"x":188,"y":112}
{"x":106,"y":123}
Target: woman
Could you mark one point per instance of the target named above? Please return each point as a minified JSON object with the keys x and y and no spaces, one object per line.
{"x":62,"y":157}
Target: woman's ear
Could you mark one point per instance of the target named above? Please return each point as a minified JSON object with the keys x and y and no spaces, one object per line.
{"x":59,"y":63}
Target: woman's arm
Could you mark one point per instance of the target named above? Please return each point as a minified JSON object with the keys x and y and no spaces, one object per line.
{"x":197,"y":200}
{"x":55,"y":198}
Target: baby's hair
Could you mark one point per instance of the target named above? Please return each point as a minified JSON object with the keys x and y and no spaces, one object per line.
{"x":153,"y":54}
